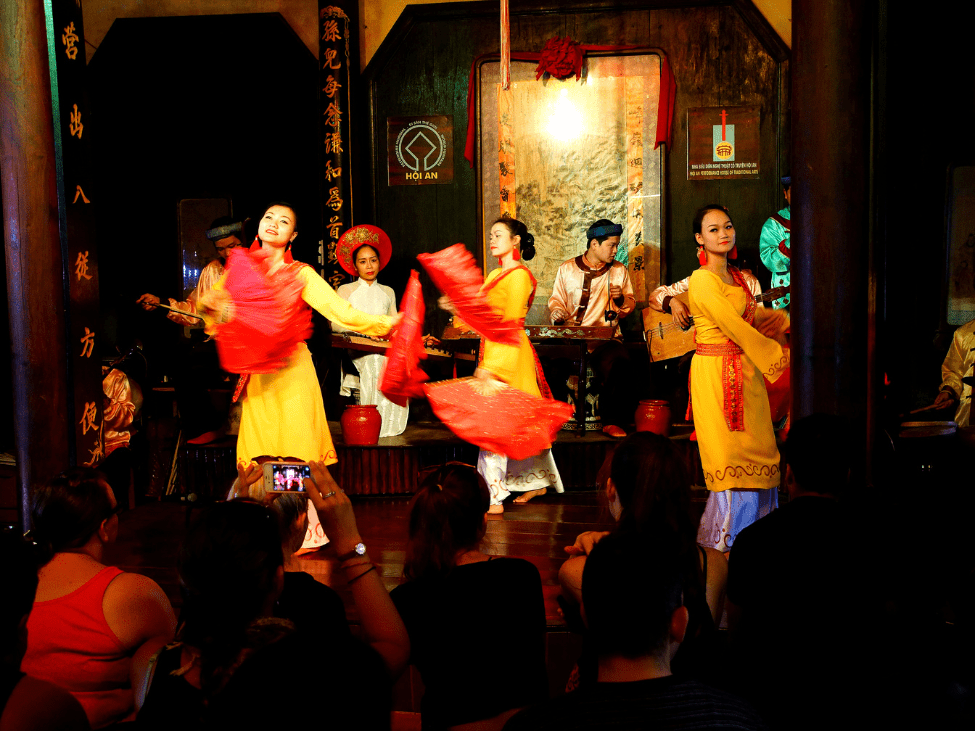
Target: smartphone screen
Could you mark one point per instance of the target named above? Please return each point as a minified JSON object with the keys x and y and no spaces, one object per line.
{"x":287,"y":477}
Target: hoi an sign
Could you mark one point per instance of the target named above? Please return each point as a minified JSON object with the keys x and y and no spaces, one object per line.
{"x":420,"y":150}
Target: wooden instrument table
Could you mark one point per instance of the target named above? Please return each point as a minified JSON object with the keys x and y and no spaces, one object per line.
{"x":362,"y":343}
{"x":570,"y":341}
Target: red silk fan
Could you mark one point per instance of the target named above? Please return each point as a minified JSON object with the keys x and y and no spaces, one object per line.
{"x":268,"y":318}
{"x":455,"y":273}
{"x":511,"y":422}
{"x":403,"y":378}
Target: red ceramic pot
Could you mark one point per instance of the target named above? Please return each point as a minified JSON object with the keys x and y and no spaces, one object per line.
{"x":653,"y":416}
{"x":361,"y":425}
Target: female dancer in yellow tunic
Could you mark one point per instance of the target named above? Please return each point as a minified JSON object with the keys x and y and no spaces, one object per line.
{"x":283,"y":412}
{"x":737,"y":343}
{"x":510,"y":290}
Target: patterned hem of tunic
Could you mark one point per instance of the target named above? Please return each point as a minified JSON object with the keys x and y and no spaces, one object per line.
{"x":729,"y":512}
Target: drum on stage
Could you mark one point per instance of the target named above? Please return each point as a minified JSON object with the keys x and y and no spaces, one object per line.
{"x":926,"y":447}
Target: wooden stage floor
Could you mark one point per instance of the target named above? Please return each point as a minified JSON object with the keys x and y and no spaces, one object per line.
{"x":149,"y":537}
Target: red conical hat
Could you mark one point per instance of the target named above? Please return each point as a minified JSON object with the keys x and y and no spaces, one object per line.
{"x":358,"y":236}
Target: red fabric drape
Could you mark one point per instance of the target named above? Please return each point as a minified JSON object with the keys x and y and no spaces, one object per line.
{"x":403,"y":378}
{"x":455,"y":273}
{"x":666,"y":104}
{"x":511,"y":422}
{"x":269,"y":319}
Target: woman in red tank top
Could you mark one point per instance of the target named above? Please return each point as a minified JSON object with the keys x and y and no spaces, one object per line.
{"x":89,"y":619}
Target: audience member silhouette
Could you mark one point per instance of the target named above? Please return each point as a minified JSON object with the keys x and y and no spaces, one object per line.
{"x":648,"y":491}
{"x":799,"y":592}
{"x":26,"y":703}
{"x":631,"y":602}
{"x":476,"y":622}
{"x":231,"y":572}
{"x":307,"y":602}
{"x":89,"y":619}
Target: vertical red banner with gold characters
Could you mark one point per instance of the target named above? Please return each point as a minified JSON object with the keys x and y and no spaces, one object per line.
{"x":76,"y":203}
{"x":338,"y":58}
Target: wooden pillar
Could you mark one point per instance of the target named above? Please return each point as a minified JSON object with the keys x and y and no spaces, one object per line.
{"x":833,"y":279}
{"x":32,"y":244}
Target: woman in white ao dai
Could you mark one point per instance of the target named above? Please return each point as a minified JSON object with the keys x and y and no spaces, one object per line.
{"x":368,"y":295}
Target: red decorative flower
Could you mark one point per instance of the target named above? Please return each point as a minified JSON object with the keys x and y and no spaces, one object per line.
{"x":561,"y":58}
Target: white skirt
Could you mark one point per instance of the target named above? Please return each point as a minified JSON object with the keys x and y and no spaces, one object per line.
{"x":504,"y":476}
{"x":730,"y":511}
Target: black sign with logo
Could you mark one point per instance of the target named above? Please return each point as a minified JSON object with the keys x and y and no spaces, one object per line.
{"x":421,"y":150}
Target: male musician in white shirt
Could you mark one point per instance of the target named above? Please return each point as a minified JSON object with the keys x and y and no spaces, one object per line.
{"x":196,"y":366}
{"x":664,"y":297}
{"x":959,"y":365}
{"x":594,"y":290}
{"x":225,"y":234}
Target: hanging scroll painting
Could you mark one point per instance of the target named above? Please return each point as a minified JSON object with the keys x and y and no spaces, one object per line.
{"x":558,"y":155}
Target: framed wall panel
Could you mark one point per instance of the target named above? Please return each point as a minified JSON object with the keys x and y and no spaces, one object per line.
{"x":559,"y":155}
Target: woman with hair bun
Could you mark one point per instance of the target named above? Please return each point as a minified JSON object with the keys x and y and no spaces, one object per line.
{"x":510,"y":290}
{"x":456,"y":597}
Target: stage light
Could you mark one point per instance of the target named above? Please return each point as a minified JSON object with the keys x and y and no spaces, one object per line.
{"x":565,"y":124}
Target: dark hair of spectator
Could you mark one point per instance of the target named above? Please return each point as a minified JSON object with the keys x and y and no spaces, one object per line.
{"x":291,"y":511}
{"x":819,"y":451}
{"x":653,"y":485}
{"x":446,"y":516}
{"x":18,"y":576}
{"x":701,"y":212}
{"x":67,"y":510}
{"x":228,"y":565}
{"x":517,"y":228}
{"x":631,"y":585}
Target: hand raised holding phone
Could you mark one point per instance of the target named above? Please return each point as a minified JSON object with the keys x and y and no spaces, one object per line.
{"x":334,"y":508}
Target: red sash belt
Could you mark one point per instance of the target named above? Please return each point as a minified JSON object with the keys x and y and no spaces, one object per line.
{"x":734,"y":405}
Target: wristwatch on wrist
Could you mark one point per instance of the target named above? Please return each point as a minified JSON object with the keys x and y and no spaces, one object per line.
{"x":358,"y":550}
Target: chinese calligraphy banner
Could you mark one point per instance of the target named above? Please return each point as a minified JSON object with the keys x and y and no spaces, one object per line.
{"x":420,"y":150}
{"x":76,"y":196}
{"x":338,"y":59}
{"x":723,"y":142}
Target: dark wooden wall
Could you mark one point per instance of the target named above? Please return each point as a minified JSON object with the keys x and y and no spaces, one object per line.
{"x":721,"y":53}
